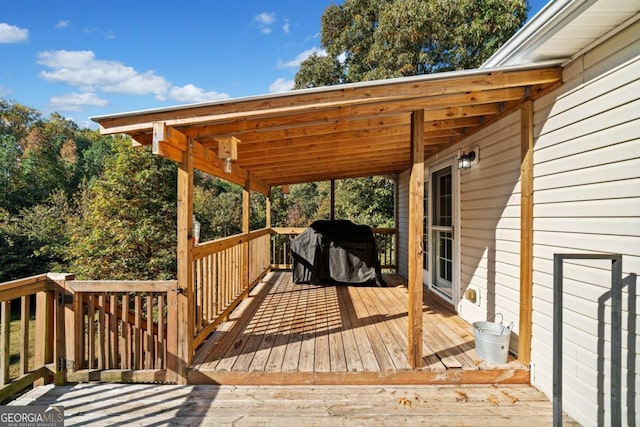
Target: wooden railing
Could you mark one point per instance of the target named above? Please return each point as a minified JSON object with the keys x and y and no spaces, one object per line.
{"x":121,"y":326}
{"x":28,"y":355}
{"x":224,"y":271}
{"x":281,"y":249}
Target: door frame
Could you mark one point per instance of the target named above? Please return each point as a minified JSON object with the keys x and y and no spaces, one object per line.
{"x":428,"y":275}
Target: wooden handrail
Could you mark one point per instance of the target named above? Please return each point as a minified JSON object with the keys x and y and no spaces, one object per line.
{"x":106,"y":286}
{"x":24,"y":287}
{"x":218,"y":245}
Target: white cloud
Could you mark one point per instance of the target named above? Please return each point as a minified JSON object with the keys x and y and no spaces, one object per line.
{"x":108,"y":35}
{"x":81,"y":69}
{"x":12,"y":34}
{"x":191,"y":94}
{"x":62,"y":24}
{"x":264,"y":21}
{"x":4,"y":91}
{"x":281,"y":85}
{"x":76,"y":101}
{"x":295,"y":63}
{"x":286,"y":26}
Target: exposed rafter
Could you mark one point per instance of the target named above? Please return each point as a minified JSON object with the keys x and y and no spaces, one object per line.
{"x":335,"y":132}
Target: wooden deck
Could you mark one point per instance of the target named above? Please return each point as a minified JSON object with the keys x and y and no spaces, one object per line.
{"x":204,"y":405}
{"x":287,"y":333}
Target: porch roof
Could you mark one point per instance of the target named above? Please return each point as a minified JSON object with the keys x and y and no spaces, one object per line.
{"x":335,"y":132}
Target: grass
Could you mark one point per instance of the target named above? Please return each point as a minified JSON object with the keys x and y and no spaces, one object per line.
{"x":14,"y":346}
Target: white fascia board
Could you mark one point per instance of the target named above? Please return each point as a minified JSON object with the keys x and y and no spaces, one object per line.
{"x":544,"y":25}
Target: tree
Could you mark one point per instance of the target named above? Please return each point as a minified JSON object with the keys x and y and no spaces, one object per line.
{"x":126,"y":227}
{"x":379,"y":39}
{"x":367,"y":200}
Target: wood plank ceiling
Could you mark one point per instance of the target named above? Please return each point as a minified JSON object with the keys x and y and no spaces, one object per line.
{"x":336,"y":132}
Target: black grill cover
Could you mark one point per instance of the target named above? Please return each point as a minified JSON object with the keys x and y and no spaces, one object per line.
{"x":336,"y":251}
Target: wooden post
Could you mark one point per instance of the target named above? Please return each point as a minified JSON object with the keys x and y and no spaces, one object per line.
{"x":185,"y":299}
{"x":246,"y":227}
{"x":43,"y":331}
{"x":60,"y":350}
{"x":416,"y":217}
{"x":268,"y":210}
{"x":396,"y":218}
{"x":333,"y":199}
{"x":526,"y":232}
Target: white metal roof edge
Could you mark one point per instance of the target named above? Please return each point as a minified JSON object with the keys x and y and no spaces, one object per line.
{"x":554,"y":16}
{"x":372,"y":83}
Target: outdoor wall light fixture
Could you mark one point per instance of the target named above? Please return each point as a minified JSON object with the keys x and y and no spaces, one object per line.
{"x":228,"y":151}
{"x":466,"y":160}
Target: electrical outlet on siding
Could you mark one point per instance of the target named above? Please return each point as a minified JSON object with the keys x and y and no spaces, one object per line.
{"x":473,"y":295}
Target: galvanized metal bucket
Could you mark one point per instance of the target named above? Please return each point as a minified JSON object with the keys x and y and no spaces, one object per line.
{"x":492,"y":341}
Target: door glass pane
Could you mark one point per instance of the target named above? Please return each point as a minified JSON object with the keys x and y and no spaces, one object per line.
{"x":442,"y":214}
{"x":443,"y":235}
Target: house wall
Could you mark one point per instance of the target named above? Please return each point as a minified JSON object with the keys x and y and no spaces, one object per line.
{"x":489,"y":222}
{"x":587,"y":200}
{"x":403,"y":223}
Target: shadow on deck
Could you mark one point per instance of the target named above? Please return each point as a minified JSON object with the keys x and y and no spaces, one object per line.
{"x":287,"y":333}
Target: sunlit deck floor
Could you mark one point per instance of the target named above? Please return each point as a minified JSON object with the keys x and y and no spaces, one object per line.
{"x":288,"y":333}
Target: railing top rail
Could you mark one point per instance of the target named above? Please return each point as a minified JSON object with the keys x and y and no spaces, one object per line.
{"x":101,"y":286}
{"x":23,"y":287}
{"x":298,"y":230}
{"x":218,"y":245}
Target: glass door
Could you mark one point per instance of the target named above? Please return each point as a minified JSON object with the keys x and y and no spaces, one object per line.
{"x":443,"y":231}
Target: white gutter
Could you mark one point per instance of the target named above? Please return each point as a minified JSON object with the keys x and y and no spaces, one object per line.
{"x":544,"y":25}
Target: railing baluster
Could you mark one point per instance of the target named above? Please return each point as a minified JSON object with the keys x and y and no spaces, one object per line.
{"x":137,"y":335}
{"x":5,"y":326}
{"x":25,"y":308}
{"x":101,"y":331}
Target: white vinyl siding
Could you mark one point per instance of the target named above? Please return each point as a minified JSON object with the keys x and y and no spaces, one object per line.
{"x":403,"y":223}
{"x":587,"y":200}
{"x":490,"y":224}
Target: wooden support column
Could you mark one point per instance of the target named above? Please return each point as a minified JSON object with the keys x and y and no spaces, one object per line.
{"x":526,"y":233}
{"x":43,"y":340}
{"x":396,"y":218}
{"x":185,"y":292}
{"x":246,"y":226}
{"x":62,"y":334}
{"x":416,"y":217}
{"x":333,"y":199}
{"x":268,"y":210}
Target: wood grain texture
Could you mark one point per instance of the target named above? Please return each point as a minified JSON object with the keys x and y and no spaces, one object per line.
{"x":287,"y":333}
{"x":330,"y":405}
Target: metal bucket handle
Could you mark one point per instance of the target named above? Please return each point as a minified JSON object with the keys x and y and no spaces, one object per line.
{"x":510,"y":327}
{"x":494,"y":316}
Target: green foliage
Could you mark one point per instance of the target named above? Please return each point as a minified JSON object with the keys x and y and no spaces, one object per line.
{"x":367,"y":201}
{"x":379,"y":39}
{"x":126,"y":227}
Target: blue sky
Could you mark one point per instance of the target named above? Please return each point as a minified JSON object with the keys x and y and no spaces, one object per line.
{"x":83,"y":58}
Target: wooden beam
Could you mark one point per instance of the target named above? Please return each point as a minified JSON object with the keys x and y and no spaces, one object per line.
{"x":416,"y":217}
{"x":325,"y":176}
{"x":185,"y":289}
{"x":263,"y":130}
{"x":526,"y":233}
{"x":168,"y":135}
{"x":336,"y":98}
{"x":170,"y":143}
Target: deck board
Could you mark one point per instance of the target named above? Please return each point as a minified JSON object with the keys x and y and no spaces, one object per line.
{"x":316,"y":334}
{"x":220,"y":405}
